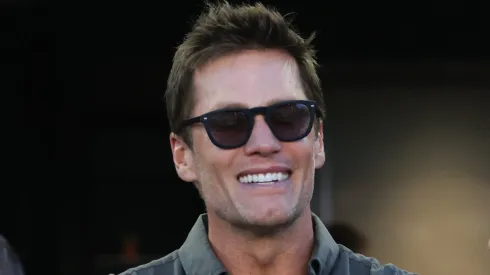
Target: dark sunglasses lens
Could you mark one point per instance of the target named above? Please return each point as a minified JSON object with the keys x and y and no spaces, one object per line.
{"x":290,"y":121}
{"x":228,"y":128}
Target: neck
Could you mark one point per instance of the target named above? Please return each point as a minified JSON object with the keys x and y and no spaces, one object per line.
{"x":286,"y":252}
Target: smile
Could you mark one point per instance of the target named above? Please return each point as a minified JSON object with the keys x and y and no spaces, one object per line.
{"x":264,"y":178}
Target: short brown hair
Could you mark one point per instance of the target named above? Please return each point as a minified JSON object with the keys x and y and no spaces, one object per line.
{"x":223,"y":29}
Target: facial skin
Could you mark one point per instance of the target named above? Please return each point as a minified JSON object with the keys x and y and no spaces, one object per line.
{"x":249,"y":79}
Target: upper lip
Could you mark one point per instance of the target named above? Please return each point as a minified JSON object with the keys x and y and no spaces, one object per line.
{"x":265,"y":170}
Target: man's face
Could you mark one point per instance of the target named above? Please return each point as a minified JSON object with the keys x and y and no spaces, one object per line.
{"x":250,"y":79}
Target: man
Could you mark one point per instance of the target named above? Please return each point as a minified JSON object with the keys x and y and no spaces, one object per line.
{"x":245,"y":108}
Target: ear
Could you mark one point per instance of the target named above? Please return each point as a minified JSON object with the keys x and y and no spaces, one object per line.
{"x":183,"y":158}
{"x":319,"y":149}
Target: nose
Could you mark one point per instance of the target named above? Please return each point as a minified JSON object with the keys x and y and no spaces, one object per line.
{"x":262,"y":141}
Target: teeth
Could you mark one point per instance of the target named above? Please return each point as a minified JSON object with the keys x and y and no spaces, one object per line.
{"x":268,"y":178}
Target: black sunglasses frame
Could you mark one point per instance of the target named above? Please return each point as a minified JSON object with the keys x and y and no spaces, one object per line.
{"x":250,"y":114}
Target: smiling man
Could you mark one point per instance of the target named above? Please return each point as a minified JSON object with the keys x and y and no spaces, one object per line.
{"x":246,"y":108}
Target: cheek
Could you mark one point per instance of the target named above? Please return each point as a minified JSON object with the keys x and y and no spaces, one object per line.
{"x":215,"y":177}
{"x":214,"y":165}
{"x":302,"y":153}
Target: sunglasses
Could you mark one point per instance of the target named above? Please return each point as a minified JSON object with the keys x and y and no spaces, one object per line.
{"x":231,"y":128}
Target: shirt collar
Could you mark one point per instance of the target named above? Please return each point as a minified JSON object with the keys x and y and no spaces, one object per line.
{"x":325,"y":251}
{"x":198,"y":257}
{"x":196,"y":254}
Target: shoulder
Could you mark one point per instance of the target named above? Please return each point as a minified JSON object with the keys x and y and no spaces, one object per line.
{"x":359,"y":264}
{"x":170,"y":264}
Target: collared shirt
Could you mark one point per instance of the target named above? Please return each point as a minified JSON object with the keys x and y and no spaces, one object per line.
{"x":196,"y":257}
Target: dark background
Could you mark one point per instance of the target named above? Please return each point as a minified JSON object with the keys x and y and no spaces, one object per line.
{"x":86,"y":137}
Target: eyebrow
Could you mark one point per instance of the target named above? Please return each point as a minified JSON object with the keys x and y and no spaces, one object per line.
{"x":228,"y":105}
{"x":231,"y":105}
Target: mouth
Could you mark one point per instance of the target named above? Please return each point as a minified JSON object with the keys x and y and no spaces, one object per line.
{"x":264,"y":178}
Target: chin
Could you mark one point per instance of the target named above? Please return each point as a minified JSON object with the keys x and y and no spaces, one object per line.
{"x":270,"y":221}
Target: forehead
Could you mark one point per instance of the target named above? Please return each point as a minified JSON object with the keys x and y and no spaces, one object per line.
{"x":247,"y":79}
